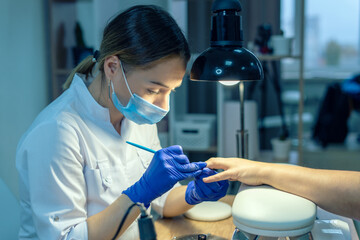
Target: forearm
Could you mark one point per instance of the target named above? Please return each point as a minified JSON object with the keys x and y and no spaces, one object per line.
{"x":335,"y":191}
{"x":175,"y":203}
{"x":104,"y":224}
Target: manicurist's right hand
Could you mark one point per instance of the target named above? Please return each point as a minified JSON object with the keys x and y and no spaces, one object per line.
{"x":168,"y":166}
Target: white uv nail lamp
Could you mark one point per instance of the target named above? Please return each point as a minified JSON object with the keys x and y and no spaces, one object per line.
{"x":266,"y":213}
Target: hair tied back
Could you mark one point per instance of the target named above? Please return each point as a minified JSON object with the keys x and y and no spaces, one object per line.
{"x":96,"y":56}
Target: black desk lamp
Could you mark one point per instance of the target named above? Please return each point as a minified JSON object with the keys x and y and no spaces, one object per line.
{"x":227,"y":61}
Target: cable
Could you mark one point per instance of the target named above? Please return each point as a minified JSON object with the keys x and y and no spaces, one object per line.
{"x":123,"y":220}
{"x":145,"y":223}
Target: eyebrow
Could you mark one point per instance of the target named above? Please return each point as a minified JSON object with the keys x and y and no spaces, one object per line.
{"x":161,"y":84}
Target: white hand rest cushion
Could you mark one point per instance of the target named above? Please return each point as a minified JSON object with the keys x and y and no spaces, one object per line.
{"x":209,"y":211}
{"x":266,"y":211}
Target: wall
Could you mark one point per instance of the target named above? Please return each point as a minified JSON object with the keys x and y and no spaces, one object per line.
{"x":24,"y":84}
{"x":104,"y":9}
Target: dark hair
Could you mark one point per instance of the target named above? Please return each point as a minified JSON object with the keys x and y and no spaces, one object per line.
{"x":138,"y":36}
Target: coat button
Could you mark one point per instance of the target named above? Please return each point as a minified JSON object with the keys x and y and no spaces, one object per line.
{"x":108,"y":180}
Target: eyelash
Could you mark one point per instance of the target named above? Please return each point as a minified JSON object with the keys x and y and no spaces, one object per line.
{"x":153,"y":92}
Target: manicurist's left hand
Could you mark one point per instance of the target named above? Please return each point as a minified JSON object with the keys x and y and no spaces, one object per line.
{"x":197,"y":191}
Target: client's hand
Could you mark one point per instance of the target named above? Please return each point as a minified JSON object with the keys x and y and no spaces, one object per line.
{"x":168,"y":166}
{"x":237,"y":169}
{"x":197,"y":191}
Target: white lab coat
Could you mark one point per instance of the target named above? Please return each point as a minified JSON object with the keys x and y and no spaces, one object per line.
{"x":72,"y":164}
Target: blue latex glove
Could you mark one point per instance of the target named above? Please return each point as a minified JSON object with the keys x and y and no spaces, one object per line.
{"x":197,"y":191}
{"x":168,"y":166}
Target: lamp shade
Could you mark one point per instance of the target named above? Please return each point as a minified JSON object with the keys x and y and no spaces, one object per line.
{"x":226,"y":59}
{"x":226,"y":64}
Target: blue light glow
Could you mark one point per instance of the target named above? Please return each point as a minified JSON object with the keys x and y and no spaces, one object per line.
{"x":228,"y":63}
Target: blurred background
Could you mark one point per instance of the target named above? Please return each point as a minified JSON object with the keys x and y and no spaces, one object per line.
{"x":42,"y":40}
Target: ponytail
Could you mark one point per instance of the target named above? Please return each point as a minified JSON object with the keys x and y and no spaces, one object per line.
{"x":84,"y":67}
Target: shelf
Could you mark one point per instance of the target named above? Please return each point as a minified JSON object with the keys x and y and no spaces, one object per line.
{"x":212,"y":149}
{"x":276,"y":58}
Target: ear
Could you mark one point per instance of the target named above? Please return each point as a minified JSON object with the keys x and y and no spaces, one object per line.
{"x":111,"y":66}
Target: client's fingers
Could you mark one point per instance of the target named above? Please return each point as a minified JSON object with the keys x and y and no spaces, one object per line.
{"x":217,"y":163}
{"x":217,"y":177}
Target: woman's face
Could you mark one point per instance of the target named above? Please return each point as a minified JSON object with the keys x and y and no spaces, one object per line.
{"x":154,"y":84}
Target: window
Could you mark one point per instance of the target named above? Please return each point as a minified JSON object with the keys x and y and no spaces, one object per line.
{"x":331,"y":46}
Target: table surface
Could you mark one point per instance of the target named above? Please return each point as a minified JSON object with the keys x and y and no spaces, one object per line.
{"x":167,"y":228}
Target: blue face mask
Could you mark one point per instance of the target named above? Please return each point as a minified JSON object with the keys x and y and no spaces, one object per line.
{"x":138,"y":109}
